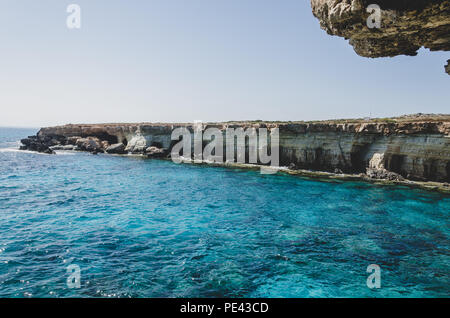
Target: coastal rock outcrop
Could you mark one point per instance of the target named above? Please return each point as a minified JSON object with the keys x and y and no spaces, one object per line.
{"x":91,"y":144}
{"x":116,"y":149}
{"x":406,"y":25}
{"x":41,"y":144}
{"x":155,"y":152}
{"x":384,"y":174}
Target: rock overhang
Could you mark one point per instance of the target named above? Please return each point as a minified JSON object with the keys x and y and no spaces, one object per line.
{"x":406,"y":25}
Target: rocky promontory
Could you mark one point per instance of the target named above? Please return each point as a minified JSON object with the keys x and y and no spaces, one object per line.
{"x":410,"y":147}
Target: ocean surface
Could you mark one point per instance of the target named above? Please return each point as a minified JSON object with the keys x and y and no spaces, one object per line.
{"x":149,"y":228}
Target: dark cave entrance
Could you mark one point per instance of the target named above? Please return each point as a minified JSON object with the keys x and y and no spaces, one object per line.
{"x":358,"y":158}
{"x":157,"y":144}
{"x":104,"y":136}
{"x":430,"y":169}
{"x":395,"y":163}
{"x":318,"y":159}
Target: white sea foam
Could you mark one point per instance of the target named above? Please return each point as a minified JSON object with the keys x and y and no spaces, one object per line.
{"x":65,"y":153}
{"x":11,"y":150}
{"x":58,"y":152}
{"x":18,"y":150}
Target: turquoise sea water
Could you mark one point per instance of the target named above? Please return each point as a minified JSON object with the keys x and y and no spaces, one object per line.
{"x":148,"y":228}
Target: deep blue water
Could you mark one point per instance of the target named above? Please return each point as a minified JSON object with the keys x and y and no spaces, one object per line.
{"x":148,"y":228}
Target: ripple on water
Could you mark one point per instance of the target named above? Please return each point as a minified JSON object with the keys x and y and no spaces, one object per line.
{"x":142,"y":228}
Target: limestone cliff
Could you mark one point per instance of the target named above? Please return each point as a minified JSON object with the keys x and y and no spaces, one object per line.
{"x":416,"y":148}
{"x":406,"y":25}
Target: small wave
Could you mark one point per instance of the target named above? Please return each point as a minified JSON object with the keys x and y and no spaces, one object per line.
{"x":57,"y":152}
{"x":65,"y":153}
{"x":18,"y":150}
{"x":10,"y":150}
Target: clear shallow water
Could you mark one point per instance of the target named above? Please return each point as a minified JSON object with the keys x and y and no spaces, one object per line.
{"x":144,"y":228}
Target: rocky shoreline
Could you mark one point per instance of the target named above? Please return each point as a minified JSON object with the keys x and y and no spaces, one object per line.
{"x":50,"y":144}
{"x":405,"y":149}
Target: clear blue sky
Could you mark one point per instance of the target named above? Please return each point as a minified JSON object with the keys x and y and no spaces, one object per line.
{"x":185,"y":60}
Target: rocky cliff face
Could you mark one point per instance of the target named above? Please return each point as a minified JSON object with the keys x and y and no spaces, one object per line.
{"x":416,"y":150}
{"x":406,"y":25}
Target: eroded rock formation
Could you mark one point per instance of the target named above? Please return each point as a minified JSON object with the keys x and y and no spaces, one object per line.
{"x":411,"y":147}
{"x":406,"y":25}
